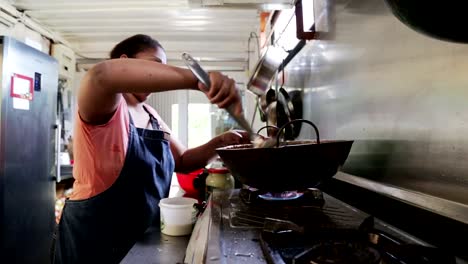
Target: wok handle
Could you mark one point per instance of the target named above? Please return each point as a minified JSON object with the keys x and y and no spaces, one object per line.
{"x":294,"y":121}
{"x":268,"y":126}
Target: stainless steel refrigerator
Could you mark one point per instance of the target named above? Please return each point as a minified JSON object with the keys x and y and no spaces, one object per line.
{"x":28,"y":95}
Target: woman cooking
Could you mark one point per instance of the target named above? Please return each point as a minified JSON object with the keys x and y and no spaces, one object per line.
{"x":124,"y":153}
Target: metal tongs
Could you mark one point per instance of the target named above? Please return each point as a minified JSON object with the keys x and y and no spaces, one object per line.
{"x":204,"y":78}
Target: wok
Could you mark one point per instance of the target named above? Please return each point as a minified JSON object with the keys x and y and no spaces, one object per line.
{"x":291,"y":165}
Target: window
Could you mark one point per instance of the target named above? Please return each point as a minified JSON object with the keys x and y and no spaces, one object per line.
{"x":199,"y":121}
{"x":199,"y":124}
{"x":175,"y":120}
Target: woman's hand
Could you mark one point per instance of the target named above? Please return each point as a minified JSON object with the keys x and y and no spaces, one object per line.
{"x":198,"y":157}
{"x":233,"y":137}
{"x":223,"y":92}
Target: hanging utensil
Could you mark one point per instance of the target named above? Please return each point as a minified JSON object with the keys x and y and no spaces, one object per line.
{"x":265,"y":70}
{"x":285,"y":112}
{"x":263,"y":102}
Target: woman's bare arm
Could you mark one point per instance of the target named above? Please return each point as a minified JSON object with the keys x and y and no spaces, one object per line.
{"x":102,"y":86}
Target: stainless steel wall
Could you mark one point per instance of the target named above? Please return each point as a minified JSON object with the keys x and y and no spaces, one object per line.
{"x":402,"y":96}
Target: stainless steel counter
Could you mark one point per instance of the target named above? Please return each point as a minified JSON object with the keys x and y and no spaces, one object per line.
{"x":229,"y":243}
{"x":155,"y":247}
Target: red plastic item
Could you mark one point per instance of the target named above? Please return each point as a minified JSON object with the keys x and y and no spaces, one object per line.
{"x":186,"y":181}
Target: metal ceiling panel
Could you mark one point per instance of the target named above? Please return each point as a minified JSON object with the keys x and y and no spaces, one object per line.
{"x":94,"y":27}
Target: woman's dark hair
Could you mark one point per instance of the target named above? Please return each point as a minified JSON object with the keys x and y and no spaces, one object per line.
{"x":134,"y":44}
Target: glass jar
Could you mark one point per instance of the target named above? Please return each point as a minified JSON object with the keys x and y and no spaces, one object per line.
{"x":218,"y":178}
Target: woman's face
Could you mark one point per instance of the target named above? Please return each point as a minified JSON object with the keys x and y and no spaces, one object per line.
{"x":156,"y":55}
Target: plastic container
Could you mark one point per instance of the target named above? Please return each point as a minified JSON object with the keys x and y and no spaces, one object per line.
{"x":186,"y":181}
{"x":218,"y":178}
{"x":178,"y":215}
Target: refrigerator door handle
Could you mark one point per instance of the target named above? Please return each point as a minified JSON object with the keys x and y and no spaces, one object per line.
{"x":57,"y":128}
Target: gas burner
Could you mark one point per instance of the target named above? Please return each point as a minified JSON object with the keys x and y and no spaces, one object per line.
{"x":250,"y":208}
{"x":298,"y":198}
{"x":287,"y":242}
{"x":341,"y":252}
{"x":326,"y":252}
{"x":282,"y":196}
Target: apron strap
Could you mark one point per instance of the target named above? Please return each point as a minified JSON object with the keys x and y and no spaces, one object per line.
{"x":130,"y":117}
{"x":154,"y":122}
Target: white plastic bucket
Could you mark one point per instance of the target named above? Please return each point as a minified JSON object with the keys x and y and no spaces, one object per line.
{"x":178,"y":215}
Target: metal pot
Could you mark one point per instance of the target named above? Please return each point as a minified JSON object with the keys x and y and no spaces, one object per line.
{"x":292,"y":165}
{"x":265,"y":70}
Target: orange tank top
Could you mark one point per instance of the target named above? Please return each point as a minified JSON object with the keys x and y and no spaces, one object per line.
{"x":99,"y":153}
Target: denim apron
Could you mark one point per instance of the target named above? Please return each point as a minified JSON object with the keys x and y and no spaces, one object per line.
{"x":103,"y":228}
